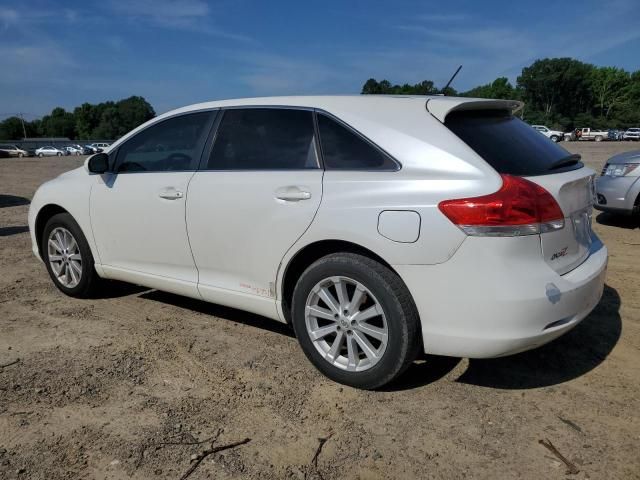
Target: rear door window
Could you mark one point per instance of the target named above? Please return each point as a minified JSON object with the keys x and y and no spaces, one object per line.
{"x":510,"y":145}
{"x":264,"y":139}
{"x":344,"y":149}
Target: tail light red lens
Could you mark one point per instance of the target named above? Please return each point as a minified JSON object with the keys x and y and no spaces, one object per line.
{"x":520,"y":207}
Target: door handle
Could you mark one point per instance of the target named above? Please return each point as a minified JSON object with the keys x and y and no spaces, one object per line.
{"x":292,"y":194}
{"x":170,"y":194}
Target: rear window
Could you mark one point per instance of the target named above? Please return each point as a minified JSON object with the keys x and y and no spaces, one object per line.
{"x":510,"y":145}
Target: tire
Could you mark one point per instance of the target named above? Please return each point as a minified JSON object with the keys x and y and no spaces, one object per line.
{"x":40,"y":155}
{"x":59,"y":154}
{"x":598,"y":138}
{"x":88,"y":280}
{"x":382,"y":289}
{"x":20,"y":155}
{"x":554,"y":138}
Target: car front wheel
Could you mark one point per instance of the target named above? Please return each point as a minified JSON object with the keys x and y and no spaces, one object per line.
{"x":355,"y":320}
{"x":67,"y":256}
{"x":554,"y":138}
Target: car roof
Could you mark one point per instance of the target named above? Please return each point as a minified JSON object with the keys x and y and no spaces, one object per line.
{"x":437,"y":105}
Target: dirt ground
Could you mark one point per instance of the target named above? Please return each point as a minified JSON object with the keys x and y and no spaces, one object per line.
{"x":124,"y":387}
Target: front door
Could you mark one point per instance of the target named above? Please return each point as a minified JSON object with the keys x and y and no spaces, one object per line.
{"x":138,"y":211}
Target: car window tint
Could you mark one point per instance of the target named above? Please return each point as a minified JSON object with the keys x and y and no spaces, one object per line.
{"x":508,"y":144}
{"x":343,"y":149}
{"x":172,"y":145}
{"x":264,"y":139}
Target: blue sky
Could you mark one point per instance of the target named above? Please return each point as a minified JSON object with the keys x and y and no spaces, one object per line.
{"x":180,"y":52}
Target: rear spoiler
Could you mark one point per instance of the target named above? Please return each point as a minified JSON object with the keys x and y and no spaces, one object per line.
{"x":440,"y":107}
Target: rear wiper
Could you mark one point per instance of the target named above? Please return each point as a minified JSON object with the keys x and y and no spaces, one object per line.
{"x":567,"y":161}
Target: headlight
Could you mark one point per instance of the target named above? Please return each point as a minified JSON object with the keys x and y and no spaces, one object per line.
{"x":619,"y":169}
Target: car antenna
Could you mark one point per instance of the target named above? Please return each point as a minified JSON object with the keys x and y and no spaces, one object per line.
{"x":444,"y":90}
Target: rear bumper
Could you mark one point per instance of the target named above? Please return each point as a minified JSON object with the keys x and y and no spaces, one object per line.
{"x":617,"y":194}
{"x":494,"y":298}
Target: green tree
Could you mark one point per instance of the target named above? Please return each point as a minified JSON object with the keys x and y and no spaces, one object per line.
{"x":133,"y":111}
{"x":11,"y":129}
{"x":59,"y":124}
{"x":87,"y":118}
{"x":557,"y":86}
{"x":499,"y":88}
{"x":110,"y":124}
{"x":610,"y":87}
{"x":384,"y":87}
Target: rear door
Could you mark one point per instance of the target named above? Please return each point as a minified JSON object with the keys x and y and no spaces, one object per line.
{"x":511,"y":147}
{"x":255,"y":195}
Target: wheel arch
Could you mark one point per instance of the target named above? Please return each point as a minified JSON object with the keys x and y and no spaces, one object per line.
{"x":308,"y":254}
{"x":43,"y":216}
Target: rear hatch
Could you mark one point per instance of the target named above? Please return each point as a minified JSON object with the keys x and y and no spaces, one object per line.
{"x":512,"y":147}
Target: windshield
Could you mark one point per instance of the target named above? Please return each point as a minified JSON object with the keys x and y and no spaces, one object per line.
{"x":508,"y":144}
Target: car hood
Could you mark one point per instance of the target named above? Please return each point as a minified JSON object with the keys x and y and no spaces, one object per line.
{"x":625,"y":157}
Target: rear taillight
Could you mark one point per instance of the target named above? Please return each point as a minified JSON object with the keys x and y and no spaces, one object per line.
{"x":520,"y":207}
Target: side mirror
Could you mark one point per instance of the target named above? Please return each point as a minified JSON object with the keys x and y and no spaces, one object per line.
{"x":98,"y":163}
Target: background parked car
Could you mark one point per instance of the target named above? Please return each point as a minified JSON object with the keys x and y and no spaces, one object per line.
{"x":73,"y":150}
{"x":14,"y":151}
{"x":49,"y":152}
{"x":632,"y":134}
{"x":591,"y":134}
{"x":100,"y":146}
{"x":618,"y":188}
{"x":554,"y":135}
{"x":89,"y":150}
{"x":615,"y":134}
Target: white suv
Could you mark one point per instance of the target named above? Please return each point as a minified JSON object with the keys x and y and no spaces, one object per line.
{"x":553,"y":135}
{"x":632,"y":134}
{"x":376,"y":226}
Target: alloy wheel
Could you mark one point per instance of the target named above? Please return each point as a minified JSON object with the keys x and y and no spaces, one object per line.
{"x":64,"y":257}
{"x":346,"y":324}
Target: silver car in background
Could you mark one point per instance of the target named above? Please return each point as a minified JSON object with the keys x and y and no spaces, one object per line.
{"x":49,"y":151}
{"x":618,"y":188}
{"x":632,"y":134}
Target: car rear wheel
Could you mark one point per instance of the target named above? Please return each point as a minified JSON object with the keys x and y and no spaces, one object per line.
{"x":59,"y":154}
{"x":554,"y":138}
{"x":40,"y":155}
{"x":355,"y":320}
{"x":599,"y":138}
{"x":68,"y":258}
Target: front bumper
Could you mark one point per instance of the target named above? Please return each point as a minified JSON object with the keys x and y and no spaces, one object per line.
{"x":617,"y":194}
{"x":496,"y":298}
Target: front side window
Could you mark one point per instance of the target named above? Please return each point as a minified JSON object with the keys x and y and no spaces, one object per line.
{"x":171,"y":145}
{"x":343,"y":149}
{"x":264,"y":139}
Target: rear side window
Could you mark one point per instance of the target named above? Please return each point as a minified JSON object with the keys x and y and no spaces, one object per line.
{"x":343,"y":149}
{"x":264,"y":139}
{"x":171,"y":145}
{"x":508,"y":144}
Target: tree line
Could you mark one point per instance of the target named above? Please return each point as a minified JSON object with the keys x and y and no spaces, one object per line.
{"x":561,"y":93}
{"x":106,"y":120}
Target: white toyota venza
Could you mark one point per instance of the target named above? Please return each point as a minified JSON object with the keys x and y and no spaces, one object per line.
{"x":376,"y":226}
